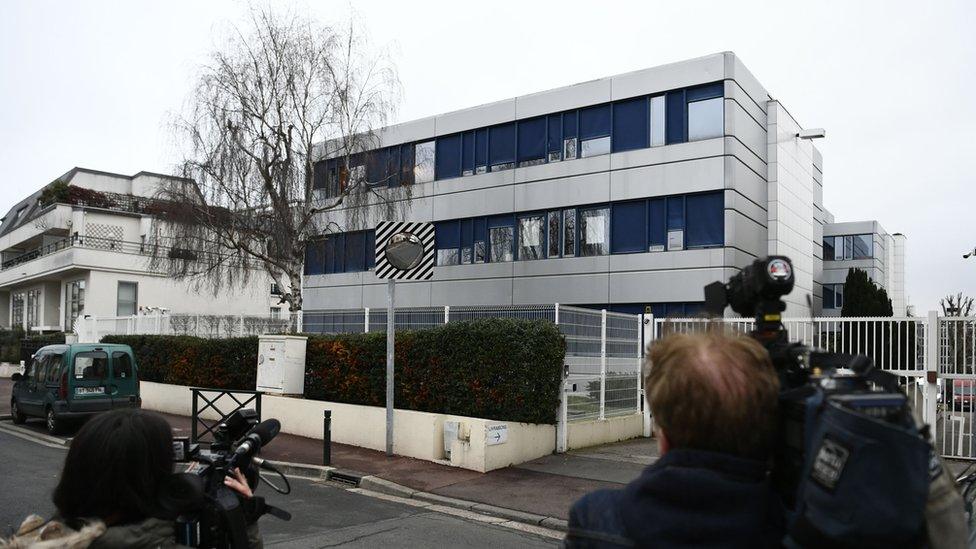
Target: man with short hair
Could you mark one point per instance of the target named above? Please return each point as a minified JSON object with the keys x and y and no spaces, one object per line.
{"x":713,"y":398}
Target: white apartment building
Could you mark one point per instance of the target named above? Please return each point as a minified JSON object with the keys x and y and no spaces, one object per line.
{"x":81,"y":251}
{"x":629,"y":192}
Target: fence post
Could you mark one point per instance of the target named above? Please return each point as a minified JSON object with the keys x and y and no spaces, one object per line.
{"x":603,"y":363}
{"x":931,"y":398}
{"x":647,"y":335}
{"x":557,"y":313}
{"x":242,"y":326}
{"x":196,"y":326}
{"x":299,"y":321}
{"x":562,"y":425}
{"x":326,"y":437}
{"x":447,"y":314}
{"x":366,"y":320}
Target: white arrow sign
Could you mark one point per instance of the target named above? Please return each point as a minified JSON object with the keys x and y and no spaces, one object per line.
{"x":496,"y":434}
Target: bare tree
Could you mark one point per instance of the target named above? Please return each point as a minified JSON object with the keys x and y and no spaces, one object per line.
{"x":278,"y":97}
{"x":956,"y":305}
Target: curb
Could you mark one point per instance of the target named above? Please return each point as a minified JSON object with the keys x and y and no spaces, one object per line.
{"x":376,"y":484}
{"x":42,"y":437}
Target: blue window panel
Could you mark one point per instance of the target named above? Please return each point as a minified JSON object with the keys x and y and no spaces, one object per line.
{"x":674,"y":309}
{"x":501,"y":144}
{"x":481,"y":147}
{"x":480,"y":231}
{"x":393,"y":167}
{"x":315,"y":257}
{"x":631,"y":125}
{"x":320,"y":172}
{"x":370,"y":249}
{"x":406,"y":164}
{"x":656,"y":222}
{"x":555,"y":133}
{"x":628,"y":231}
{"x":448,"y":157}
{"x":706,"y":220}
{"x":467,"y":152}
{"x":501,"y":221}
{"x":569,"y":124}
{"x":377,"y":163}
{"x":355,"y":252}
{"x":467,"y":233}
{"x":334,"y":254}
{"x":676,"y":114}
{"x":708,"y":91}
{"x":676,"y":213}
{"x":828,"y":296}
{"x":594,"y":122}
{"x":532,"y":139}
{"x":694,"y":308}
{"x":447,"y":234}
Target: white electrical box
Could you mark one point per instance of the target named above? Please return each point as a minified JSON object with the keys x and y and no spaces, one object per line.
{"x":281,"y":364}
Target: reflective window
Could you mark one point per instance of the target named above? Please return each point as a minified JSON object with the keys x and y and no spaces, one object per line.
{"x":127,"y":298}
{"x":706,"y":119}
{"x":828,"y":248}
{"x":569,"y":148}
{"x":91,"y":365}
{"x":657,"y":121}
{"x":501,"y":239}
{"x":595,"y":147}
{"x":423,"y":167}
{"x":531,"y":236}
{"x":569,"y":232}
{"x":448,"y":256}
{"x":17,"y":309}
{"x":479,"y":251}
{"x":828,"y":296}
{"x":595,"y":231}
{"x":54,"y":368}
{"x":863,"y":246}
{"x":554,"y":232}
{"x":122,"y":362}
{"x":848,"y":247}
{"x":447,"y":239}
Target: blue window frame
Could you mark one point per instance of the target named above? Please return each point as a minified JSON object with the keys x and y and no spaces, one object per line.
{"x":448,"y":157}
{"x":630,"y":124}
{"x":569,"y":124}
{"x":532,"y":139}
{"x":707,"y":91}
{"x":828,"y":296}
{"x":501,"y":144}
{"x":657,"y":223}
{"x":467,"y":153}
{"x":705,"y":220}
{"x":627,"y":223}
{"x":595,"y":121}
{"x":334,"y":253}
{"x":480,"y":240}
{"x":320,"y":171}
{"x":480,"y":150}
{"x":315,"y":257}
{"x":467,"y":241}
{"x":370,"y":249}
{"x":676,"y":114}
{"x":355,"y":244}
{"x":676,"y":213}
{"x":406,"y":164}
{"x":447,"y":240}
{"x":555,"y":145}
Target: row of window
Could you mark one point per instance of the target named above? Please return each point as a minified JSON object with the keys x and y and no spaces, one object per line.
{"x":852,"y":246}
{"x":833,"y":296}
{"x":341,"y":253}
{"x":674,"y":117}
{"x":675,"y":309}
{"x":647,"y":225}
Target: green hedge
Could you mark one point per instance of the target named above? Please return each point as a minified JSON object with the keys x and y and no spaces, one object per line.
{"x":503,"y":369}
{"x":184,"y":360}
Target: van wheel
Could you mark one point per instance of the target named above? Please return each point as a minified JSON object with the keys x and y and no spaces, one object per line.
{"x":54,"y":425}
{"x":18,"y":416}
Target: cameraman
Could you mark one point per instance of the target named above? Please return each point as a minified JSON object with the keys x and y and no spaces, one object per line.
{"x":713,"y":398}
{"x":110,"y":487}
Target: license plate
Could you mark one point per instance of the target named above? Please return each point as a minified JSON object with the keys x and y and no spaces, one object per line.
{"x":89,"y":390}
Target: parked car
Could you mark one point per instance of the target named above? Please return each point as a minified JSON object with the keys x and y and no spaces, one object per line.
{"x":963,"y":394}
{"x":65,"y":382}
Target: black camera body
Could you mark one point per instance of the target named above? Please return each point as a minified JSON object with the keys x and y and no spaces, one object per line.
{"x":829,"y":405}
{"x":208,"y":513}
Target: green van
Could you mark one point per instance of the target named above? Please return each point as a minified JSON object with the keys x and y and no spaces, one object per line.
{"x":64,"y":382}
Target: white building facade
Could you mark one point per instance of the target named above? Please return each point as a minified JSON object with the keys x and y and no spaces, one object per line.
{"x":83,"y":252}
{"x":630,"y":192}
{"x":863,"y":245}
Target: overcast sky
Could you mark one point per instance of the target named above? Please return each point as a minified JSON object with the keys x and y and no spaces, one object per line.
{"x":91,"y":84}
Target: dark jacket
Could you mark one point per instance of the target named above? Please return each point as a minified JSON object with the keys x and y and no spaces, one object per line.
{"x":688,"y":498}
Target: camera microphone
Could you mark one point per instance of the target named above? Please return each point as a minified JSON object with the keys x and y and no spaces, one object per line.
{"x":259,"y":436}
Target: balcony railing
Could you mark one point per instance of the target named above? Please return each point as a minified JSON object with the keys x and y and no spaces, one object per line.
{"x":76,"y":241}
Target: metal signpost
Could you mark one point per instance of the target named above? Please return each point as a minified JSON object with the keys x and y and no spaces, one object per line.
{"x":404,"y":251}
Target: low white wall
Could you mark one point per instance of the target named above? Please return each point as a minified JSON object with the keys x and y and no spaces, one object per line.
{"x":581,"y":434}
{"x":415,"y":434}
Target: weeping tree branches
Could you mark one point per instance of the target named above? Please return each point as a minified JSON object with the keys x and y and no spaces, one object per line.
{"x":275,"y":99}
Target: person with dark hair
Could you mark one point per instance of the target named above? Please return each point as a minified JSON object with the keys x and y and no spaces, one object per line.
{"x":714,"y":401}
{"x":109,"y":492}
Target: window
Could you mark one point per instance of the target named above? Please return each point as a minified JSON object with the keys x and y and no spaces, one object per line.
{"x":315,"y":257}
{"x":569,"y":232}
{"x":127,"y":298}
{"x":570,"y":139}
{"x":17,"y":309}
{"x":467,"y":153}
{"x":554,"y":232}
{"x":501,"y":238}
{"x":863,"y":246}
{"x":74,"y":302}
{"x":481,"y":150}
{"x":531,"y":237}
{"x":657,"y":121}
{"x":657,"y":234}
{"x":594,"y":130}
{"x":377,"y":167}
{"x":480,"y":238}
{"x":355,"y":252}
{"x":705,"y":220}
{"x":676,"y":223}
{"x":91,"y":365}
{"x":828,"y":248}
{"x":448,"y":156}
{"x":467,"y":242}
{"x":501,"y":147}
{"x":122,"y":362}
{"x":423,"y":167}
{"x":706,"y":119}
{"x":407,"y":158}
{"x":555,"y":140}
{"x":675,"y":117}
{"x":53,"y":365}
{"x":630,"y":124}
{"x":33,"y":308}
{"x":274,"y":313}
{"x":39,"y":369}
{"x":532,"y":141}
{"x":833,"y":296}
{"x":857,"y":246}
{"x":594,"y":231}
{"x":448,"y":241}
{"x":627,"y":227}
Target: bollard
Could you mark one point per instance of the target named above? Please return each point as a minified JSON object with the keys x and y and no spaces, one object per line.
{"x":327,"y":437}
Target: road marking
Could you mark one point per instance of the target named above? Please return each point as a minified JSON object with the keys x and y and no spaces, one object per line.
{"x":29,"y":436}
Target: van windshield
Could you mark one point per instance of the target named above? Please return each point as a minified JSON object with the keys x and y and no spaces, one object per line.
{"x":91,"y":365}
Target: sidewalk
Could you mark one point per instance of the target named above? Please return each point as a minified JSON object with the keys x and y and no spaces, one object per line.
{"x":547,"y":486}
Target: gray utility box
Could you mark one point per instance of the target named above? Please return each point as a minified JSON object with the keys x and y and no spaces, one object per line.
{"x":281,"y":364}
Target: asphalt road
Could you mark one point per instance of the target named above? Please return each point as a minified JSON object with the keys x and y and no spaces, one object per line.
{"x":324,"y":515}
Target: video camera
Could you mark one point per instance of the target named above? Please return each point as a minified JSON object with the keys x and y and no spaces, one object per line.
{"x":209,"y":514}
{"x":851,"y":465}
